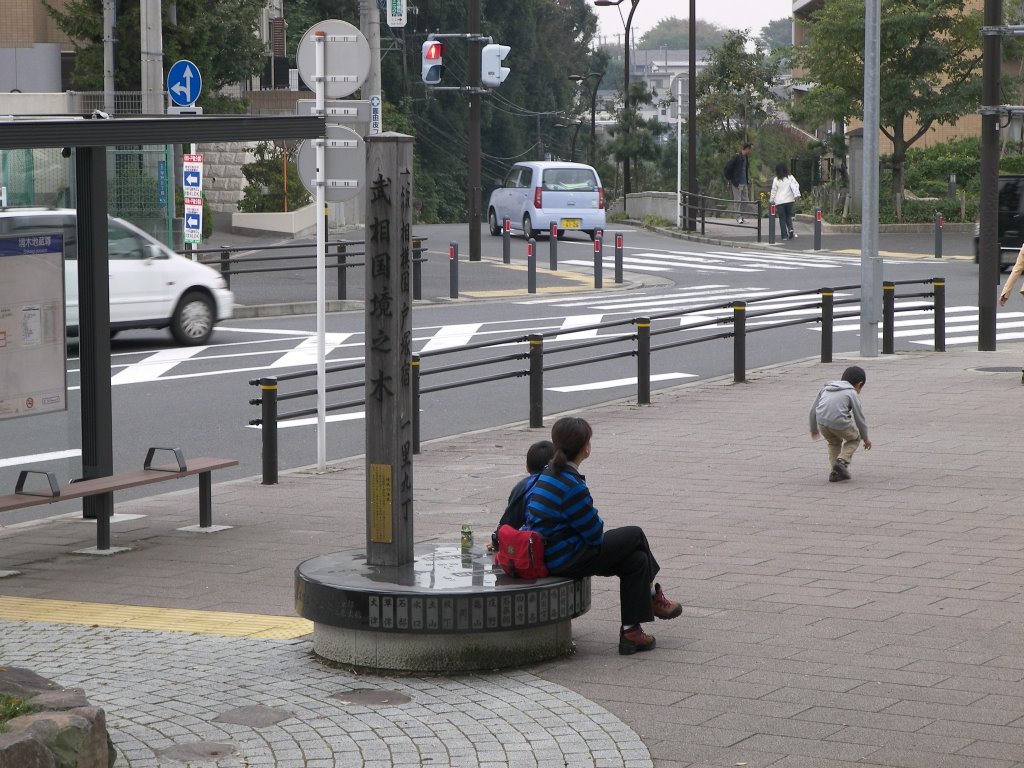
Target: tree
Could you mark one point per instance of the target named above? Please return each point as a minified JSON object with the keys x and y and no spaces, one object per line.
{"x":734,"y":91}
{"x":674,"y":33}
{"x":220,"y":38}
{"x":634,"y":139}
{"x":777,"y":35}
{"x":930,"y":68}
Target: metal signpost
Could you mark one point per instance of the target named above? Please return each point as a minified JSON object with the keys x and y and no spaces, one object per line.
{"x":335,"y":57}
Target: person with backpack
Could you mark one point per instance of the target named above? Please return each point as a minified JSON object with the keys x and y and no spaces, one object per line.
{"x":737,"y":173}
{"x":576,"y":543}
{"x":537,"y":457}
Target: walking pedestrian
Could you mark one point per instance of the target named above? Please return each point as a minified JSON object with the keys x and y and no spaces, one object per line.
{"x":785,"y":191}
{"x":737,"y":173}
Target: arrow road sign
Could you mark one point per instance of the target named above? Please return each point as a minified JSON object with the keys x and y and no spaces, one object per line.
{"x":184,"y":83}
{"x":193,"y":220}
{"x":192,"y":175}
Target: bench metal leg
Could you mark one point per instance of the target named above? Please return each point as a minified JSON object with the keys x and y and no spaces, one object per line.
{"x":205,"y":500}
{"x":104,"y":508}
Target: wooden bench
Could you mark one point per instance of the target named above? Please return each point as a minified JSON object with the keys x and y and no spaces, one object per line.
{"x":53,"y":491}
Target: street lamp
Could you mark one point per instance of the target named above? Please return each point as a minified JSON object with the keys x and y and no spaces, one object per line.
{"x":572,"y":148}
{"x":625,"y":89}
{"x":593,"y":107}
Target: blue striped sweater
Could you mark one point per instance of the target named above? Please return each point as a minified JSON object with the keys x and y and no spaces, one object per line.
{"x":562,"y":511}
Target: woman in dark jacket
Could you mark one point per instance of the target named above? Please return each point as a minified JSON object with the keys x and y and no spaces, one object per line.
{"x":576,"y":543}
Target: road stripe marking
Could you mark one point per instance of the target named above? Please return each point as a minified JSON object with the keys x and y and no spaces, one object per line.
{"x":158,"y":619}
{"x":451,"y":336}
{"x":38,"y":458}
{"x":313,"y":421}
{"x":612,"y":383}
{"x":577,"y":321}
{"x":305,"y":354}
{"x":152,"y":367}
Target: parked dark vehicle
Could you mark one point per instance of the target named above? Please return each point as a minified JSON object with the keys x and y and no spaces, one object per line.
{"x":1011,"y":221}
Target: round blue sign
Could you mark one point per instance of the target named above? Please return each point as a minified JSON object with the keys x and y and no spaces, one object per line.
{"x":184,"y":83}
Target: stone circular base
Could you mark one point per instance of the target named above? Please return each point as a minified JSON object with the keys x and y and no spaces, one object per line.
{"x":447,"y":611}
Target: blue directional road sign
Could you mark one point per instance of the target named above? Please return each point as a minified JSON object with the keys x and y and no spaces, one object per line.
{"x":184,"y":83}
{"x":193,"y":221}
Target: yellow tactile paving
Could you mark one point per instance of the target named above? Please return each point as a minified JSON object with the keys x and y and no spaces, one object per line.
{"x":571,"y":277}
{"x":902,"y":255}
{"x":160,"y":619}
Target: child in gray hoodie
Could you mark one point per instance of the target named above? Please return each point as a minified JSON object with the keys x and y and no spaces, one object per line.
{"x":836,"y":415}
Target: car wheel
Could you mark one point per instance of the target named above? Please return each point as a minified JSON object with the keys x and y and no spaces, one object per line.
{"x":528,"y":230}
{"x":592,"y":234}
{"x":193,"y":319}
{"x":492,"y":223}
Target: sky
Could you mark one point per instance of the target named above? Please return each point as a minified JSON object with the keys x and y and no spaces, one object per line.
{"x":731,"y":14}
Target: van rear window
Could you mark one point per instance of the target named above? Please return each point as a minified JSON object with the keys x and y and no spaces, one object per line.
{"x":570,"y":180}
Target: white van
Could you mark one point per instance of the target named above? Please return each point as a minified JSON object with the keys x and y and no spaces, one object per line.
{"x":150,"y":285}
{"x":534,"y":194}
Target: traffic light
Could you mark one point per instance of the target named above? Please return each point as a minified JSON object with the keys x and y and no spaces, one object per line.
{"x":431,"y":62}
{"x":492,"y":74}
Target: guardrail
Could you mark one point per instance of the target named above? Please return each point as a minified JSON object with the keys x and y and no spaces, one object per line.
{"x":229,"y":265}
{"x":641,"y":333}
{"x":722,"y":208}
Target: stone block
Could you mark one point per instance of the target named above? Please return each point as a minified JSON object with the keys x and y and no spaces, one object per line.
{"x":23,"y":750}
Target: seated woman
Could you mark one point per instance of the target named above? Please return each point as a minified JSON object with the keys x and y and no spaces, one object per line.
{"x":576,"y":543}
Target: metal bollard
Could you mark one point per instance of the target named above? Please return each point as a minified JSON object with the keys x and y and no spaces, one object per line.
{"x":553,"y":246}
{"x":643,"y":361}
{"x":827,"y":322}
{"x":536,"y":380}
{"x":618,"y":258}
{"x":414,"y":368}
{"x":739,"y":346}
{"x":888,"y":316}
{"x":939,"y":286}
{"x":771,"y":224}
{"x":268,"y":421}
{"x":506,"y":241}
{"x":453,"y":270}
{"x":531,"y":266}
{"x":938,"y":234}
{"x":598,"y":262}
{"x":417,"y":270}
{"x":225,"y":266}
{"x":341,"y":258}
{"x":817,"y":229}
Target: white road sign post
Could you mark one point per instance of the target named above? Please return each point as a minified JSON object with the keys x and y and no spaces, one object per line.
{"x":334,"y":57}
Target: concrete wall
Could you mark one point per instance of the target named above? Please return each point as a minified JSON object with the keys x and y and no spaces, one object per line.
{"x":30,"y":69}
{"x":650,"y":204}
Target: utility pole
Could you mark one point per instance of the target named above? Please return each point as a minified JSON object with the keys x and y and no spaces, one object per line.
{"x":870,"y":263}
{"x":109,"y":20}
{"x":152,"y":47}
{"x":474,"y":193}
{"x":988,"y":235}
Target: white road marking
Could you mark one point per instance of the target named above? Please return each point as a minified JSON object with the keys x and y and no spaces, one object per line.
{"x":39,"y":458}
{"x":152,"y":367}
{"x":577,"y":321}
{"x":312,"y":422}
{"x":452,"y":336}
{"x":612,"y":383}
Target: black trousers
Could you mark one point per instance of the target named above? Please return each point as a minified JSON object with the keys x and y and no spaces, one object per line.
{"x":624,"y":553}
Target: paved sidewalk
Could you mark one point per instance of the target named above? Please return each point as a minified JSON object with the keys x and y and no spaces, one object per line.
{"x":878,"y":622}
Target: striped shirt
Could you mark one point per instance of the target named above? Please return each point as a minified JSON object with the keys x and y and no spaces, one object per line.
{"x":561,"y":510}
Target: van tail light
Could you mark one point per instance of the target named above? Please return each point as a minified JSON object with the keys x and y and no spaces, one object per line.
{"x":537,"y":198}
{"x":600,"y":197}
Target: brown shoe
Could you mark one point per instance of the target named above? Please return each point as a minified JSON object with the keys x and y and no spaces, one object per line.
{"x":663,"y":607}
{"x":633,"y":640}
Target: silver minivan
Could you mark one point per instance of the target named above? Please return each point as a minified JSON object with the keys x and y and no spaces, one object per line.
{"x":534,"y":194}
{"x":150,"y":285}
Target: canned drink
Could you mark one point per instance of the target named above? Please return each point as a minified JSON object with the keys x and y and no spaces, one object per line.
{"x":467,"y":536}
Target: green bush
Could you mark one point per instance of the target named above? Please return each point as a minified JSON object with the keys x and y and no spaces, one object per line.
{"x":914,"y":212}
{"x":11,"y":707}
{"x":617,"y":216}
{"x":264,"y":191}
{"x":652,"y":220}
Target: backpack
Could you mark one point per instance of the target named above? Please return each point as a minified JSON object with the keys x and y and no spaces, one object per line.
{"x":520,"y":554}
{"x":730,"y":168}
{"x":515,"y":510}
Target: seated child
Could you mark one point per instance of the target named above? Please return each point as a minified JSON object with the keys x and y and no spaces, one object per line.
{"x":537,"y":457}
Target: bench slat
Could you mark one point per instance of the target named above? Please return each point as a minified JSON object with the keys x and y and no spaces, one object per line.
{"x":116,"y":483}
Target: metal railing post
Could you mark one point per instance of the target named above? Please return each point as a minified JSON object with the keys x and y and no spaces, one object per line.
{"x":827,"y":322}
{"x":268,"y":428}
{"x":417,"y":270}
{"x":888,"y":316}
{"x":506,"y":241}
{"x":225,"y":265}
{"x":703,"y":212}
{"x":643,"y":361}
{"x":453,"y":270}
{"x":939,"y":286}
{"x":553,"y":246}
{"x":536,"y":380}
{"x":739,"y":347}
{"x":531,"y":266}
{"x":341,"y":258}
{"x":817,"y":229}
{"x":760,"y":210}
{"x":414,"y":367}
{"x":618,"y":258}
{"x":771,"y":224}
{"x":938,"y":234}
{"x":598,"y":262}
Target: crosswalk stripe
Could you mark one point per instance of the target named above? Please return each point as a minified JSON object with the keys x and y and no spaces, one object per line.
{"x":306,"y":353}
{"x":449,"y":336}
{"x":577,"y":321}
{"x":612,"y":383}
{"x":152,"y":367}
